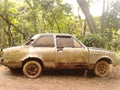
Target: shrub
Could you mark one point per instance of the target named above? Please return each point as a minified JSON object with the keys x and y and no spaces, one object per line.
{"x":116,"y":45}
{"x":94,"y":40}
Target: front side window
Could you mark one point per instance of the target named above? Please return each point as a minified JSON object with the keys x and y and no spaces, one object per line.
{"x":44,"y":41}
{"x":64,"y":41}
{"x":76,"y":44}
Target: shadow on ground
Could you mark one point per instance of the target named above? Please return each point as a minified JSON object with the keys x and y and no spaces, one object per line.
{"x":69,"y":72}
{"x":64,"y":72}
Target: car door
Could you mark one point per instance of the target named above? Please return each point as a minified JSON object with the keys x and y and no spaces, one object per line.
{"x":44,"y":48}
{"x":70,"y":53}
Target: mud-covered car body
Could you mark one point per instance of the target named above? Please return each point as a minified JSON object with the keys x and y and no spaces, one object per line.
{"x":56,"y":51}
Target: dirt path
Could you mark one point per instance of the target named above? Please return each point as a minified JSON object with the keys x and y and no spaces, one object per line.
{"x":59,"y":80}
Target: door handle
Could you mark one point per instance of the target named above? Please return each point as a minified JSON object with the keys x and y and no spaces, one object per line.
{"x":59,"y":49}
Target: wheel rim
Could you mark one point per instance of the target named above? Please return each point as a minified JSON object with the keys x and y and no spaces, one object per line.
{"x":102,"y":69}
{"x":32,"y":69}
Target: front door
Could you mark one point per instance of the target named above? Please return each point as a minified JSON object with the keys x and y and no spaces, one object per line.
{"x":70,"y":53}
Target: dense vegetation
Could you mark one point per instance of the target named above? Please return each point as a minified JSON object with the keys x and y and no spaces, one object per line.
{"x":23,"y":18}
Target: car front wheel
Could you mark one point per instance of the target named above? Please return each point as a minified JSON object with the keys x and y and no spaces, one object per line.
{"x":32,"y":69}
{"x":102,"y":68}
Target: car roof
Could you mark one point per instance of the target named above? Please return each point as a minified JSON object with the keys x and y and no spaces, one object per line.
{"x":53,"y":34}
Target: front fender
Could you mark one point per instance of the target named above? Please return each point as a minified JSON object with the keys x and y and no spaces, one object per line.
{"x":106,"y":58}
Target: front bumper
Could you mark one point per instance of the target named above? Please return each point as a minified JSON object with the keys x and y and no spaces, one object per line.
{"x":11,"y":64}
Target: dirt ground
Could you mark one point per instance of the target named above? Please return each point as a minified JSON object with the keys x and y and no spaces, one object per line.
{"x":59,"y":80}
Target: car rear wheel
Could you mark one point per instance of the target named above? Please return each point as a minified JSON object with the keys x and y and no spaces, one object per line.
{"x":102,"y":68}
{"x":32,"y":69}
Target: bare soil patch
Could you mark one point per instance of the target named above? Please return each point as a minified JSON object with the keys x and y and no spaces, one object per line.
{"x":59,"y":80}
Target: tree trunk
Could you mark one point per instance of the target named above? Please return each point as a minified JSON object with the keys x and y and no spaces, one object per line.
{"x":84,"y":6}
{"x":103,"y":17}
{"x":84,"y":29}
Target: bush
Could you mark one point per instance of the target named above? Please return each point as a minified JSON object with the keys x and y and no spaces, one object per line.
{"x":94,"y":40}
{"x":116,"y":45}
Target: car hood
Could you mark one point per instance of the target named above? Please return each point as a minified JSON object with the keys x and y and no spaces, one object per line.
{"x":103,"y":52}
{"x":96,"y":48}
{"x":99,"y":50}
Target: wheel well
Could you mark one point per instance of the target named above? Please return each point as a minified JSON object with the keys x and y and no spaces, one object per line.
{"x":105,"y":59}
{"x":33,"y":59}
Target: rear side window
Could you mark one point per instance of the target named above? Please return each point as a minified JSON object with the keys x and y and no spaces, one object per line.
{"x":44,"y":41}
{"x":64,"y":41}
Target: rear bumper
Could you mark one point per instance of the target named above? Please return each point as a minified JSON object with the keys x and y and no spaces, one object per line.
{"x":11,"y":64}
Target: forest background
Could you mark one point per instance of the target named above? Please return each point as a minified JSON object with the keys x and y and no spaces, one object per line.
{"x":21,"y":19}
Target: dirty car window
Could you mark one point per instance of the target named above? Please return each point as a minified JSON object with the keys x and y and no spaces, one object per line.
{"x":64,"y":42}
{"x":44,"y":41}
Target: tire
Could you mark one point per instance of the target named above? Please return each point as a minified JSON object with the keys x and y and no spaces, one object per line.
{"x":102,"y":69}
{"x":32,"y":69}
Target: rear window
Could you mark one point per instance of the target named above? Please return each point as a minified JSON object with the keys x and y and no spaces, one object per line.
{"x":44,"y":41}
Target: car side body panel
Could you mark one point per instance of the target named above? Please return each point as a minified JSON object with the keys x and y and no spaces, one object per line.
{"x":54,"y":57}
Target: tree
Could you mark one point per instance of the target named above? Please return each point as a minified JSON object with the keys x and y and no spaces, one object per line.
{"x":104,"y":12}
{"x":111,"y":22}
{"x":8,"y":15}
{"x":84,"y":7}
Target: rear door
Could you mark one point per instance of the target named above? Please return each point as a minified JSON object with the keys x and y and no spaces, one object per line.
{"x":44,"y":48}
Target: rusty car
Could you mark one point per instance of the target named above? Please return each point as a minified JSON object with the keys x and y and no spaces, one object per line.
{"x":57,"y":51}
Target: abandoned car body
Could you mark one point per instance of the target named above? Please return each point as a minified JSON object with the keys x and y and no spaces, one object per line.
{"x":57,"y":51}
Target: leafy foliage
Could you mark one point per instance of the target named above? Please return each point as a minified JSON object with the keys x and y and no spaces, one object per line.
{"x":94,"y":41}
{"x":110,"y":32}
{"x":21,"y":19}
